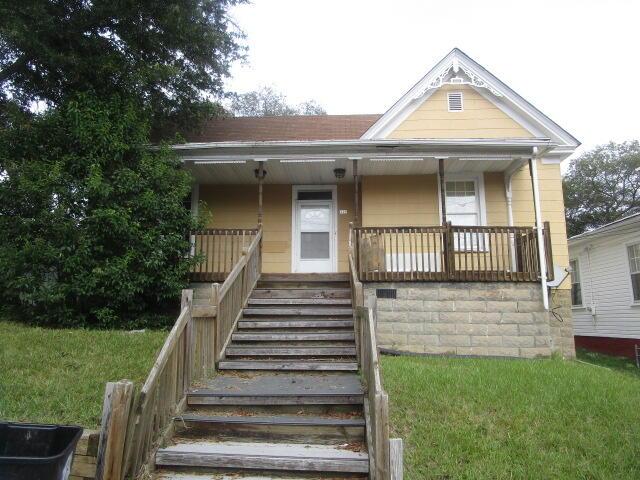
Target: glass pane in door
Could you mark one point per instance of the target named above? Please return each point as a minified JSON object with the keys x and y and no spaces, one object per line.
{"x":315,"y":245}
{"x":315,"y":231}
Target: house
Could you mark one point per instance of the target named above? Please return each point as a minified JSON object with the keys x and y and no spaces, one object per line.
{"x":450,"y":203}
{"x":605,"y":287}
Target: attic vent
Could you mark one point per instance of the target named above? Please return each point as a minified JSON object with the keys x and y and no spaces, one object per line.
{"x":455,"y":101}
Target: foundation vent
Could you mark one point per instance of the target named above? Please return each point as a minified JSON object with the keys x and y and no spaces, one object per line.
{"x":386,"y":293}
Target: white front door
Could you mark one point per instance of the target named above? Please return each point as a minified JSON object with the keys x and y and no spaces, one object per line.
{"x":314,"y":247}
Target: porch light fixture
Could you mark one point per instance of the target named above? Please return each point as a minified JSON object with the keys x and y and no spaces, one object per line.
{"x":339,"y":172}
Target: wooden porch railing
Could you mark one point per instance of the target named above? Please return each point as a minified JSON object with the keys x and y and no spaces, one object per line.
{"x":134,"y":425}
{"x":450,"y":253}
{"x":385,"y":461}
{"x":220,"y":250}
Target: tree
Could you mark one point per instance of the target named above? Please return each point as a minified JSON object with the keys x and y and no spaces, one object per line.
{"x":602,"y":185}
{"x":268,"y":102}
{"x":92,"y":222}
{"x":172,"y":56}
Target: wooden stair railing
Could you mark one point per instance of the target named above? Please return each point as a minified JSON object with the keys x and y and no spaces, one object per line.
{"x":385,"y":454}
{"x":134,"y":424}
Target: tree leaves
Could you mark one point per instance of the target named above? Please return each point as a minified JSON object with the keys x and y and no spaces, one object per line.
{"x":601,"y":186}
{"x":93,"y":229}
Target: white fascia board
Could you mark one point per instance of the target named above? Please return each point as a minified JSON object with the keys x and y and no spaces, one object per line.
{"x":604,"y":230}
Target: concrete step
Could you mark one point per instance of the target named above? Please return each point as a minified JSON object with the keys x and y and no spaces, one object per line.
{"x":290,"y":365}
{"x":263,"y":456}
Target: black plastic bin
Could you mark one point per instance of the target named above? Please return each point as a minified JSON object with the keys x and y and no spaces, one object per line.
{"x":37,"y":452}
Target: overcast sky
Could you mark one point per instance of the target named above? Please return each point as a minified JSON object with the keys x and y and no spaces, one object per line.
{"x":576,"y":60}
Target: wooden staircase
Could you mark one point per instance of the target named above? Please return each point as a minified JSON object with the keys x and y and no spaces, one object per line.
{"x":287,"y":402}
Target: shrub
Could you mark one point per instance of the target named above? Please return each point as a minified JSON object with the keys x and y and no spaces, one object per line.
{"x":93,"y":228}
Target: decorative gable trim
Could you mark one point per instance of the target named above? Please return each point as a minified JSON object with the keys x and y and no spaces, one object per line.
{"x":486,"y":84}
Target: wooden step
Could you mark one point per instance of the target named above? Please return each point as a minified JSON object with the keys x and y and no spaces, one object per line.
{"x":233,"y":351}
{"x":280,"y":389}
{"x":249,"y":475}
{"x":242,"y":324}
{"x":304,"y":277}
{"x":281,"y":337}
{"x":293,"y":428}
{"x":295,"y":310}
{"x":301,"y":293}
{"x":290,"y":365}
{"x":263,"y":456}
{"x":300,"y":301}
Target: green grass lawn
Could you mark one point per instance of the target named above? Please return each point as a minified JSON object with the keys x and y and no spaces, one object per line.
{"x":58,"y":376}
{"x":515,"y":419}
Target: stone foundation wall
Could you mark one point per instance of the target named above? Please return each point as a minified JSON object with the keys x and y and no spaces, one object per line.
{"x":491,"y":319}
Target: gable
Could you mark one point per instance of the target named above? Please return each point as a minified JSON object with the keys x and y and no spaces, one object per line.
{"x":480,"y":118}
{"x":499,"y":110}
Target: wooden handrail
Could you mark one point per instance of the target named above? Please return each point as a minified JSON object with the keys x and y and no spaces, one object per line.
{"x":232,"y":296}
{"x":376,"y":399}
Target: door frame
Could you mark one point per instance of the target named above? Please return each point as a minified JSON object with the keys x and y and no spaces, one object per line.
{"x":295,"y":226}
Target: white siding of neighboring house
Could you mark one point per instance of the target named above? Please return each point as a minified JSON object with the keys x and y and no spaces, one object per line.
{"x":606,"y":283}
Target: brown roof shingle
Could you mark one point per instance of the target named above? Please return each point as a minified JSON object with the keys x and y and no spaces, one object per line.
{"x":295,"y":127}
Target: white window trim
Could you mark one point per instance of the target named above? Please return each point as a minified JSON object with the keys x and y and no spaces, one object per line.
{"x":461,"y":101}
{"x":466,"y":177}
{"x":581,"y":306}
{"x":632,"y":302}
{"x":295,"y":231}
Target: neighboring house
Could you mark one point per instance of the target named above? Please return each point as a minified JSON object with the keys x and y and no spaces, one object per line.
{"x":605,"y":287}
{"x":443,"y":198}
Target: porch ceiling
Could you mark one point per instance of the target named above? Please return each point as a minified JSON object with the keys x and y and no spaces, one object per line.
{"x":321,"y":172}
{"x":313,"y":162}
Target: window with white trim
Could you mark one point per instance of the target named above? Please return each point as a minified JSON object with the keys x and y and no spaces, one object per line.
{"x":633,"y":252}
{"x":576,"y":285}
{"x":463,"y":209}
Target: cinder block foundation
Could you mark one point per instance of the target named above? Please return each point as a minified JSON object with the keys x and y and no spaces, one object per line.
{"x":487,"y":319}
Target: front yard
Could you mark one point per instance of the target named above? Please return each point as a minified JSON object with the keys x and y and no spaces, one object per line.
{"x":58,"y":376}
{"x":495,"y":419}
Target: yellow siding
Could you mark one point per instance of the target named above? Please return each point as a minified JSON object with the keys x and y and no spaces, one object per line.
{"x":236,"y":206}
{"x":496,"y":199}
{"x":400,"y":200}
{"x":551,"y":205}
{"x":479,"y":119}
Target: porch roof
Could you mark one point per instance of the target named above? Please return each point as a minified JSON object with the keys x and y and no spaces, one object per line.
{"x":309,"y":162}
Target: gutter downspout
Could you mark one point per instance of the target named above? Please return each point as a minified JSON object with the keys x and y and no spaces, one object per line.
{"x":541,"y":250}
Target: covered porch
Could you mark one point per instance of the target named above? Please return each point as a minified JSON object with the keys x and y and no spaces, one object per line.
{"x":409,"y":210}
